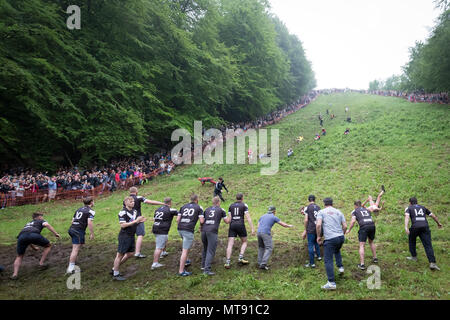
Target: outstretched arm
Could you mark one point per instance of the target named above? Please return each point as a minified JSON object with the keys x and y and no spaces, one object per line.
{"x":281,"y":223}
{"x":406,"y":223}
{"x":352,"y":223}
{"x":49,"y":227}
{"x":432,"y":215}
{"x":247,"y":215}
{"x":364,"y":203}
{"x":147,"y":201}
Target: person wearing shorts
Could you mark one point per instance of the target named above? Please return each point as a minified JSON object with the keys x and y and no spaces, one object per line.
{"x":163,"y":221}
{"x":82,"y":219}
{"x":187,"y":218}
{"x":238,"y":211}
{"x":31,"y":235}
{"x":128,"y":220}
{"x":375,"y":206}
{"x":366,"y":231}
{"x":140,"y":229}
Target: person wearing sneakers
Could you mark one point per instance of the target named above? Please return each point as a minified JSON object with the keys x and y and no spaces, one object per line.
{"x":265,"y":243}
{"x":82,"y":219}
{"x":366,"y":230}
{"x":419,"y":228}
{"x":310,"y":213}
{"x":238,"y":211}
{"x":334,"y":227}
{"x":140,"y":229}
{"x":128,"y":220}
{"x":163,"y":221}
{"x":187,"y":218}
{"x":31,"y":235}
{"x":209,"y":230}
{"x":375,"y":206}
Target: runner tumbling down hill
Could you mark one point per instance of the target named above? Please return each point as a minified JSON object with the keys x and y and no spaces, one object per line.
{"x":375,"y":206}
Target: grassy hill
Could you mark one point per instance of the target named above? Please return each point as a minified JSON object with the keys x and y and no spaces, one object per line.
{"x":392,"y":142}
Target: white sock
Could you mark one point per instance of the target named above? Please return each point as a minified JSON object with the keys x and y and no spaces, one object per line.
{"x":116,"y":273}
{"x":71,"y":267}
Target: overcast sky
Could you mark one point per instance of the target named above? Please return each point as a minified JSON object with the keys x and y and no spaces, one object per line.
{"x":352,"y":42}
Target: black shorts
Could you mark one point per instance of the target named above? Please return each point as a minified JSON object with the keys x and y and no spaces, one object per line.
{"x":237,"y":230}
{"x":366,"y":232}
{"x":77,"y":235}
{"x":126,"y":244}
{"x":25,"y":239}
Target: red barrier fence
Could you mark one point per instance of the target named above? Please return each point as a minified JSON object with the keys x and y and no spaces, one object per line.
{"x":17,"y":198}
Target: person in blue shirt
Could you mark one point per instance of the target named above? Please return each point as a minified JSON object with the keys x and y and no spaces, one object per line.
{"x":265,"y":244}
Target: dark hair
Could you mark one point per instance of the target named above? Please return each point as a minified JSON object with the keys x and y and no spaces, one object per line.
{"x":328,"y":201}
{"x":37,"y":214}
{"x":357,"y":203}
{"x":413,"y":200}
{"x":87,"y":201}
{"x":239,"y":196}
{"x":311,"y":197}
{"x":167,"y":200}
{"x":221,"y":179}
{"x":194,"y":197}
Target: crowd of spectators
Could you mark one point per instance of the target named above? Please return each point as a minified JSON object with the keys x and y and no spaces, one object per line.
{"x":418,"y":96}
{"x":20,"y":186}
{"x":24,"y":186}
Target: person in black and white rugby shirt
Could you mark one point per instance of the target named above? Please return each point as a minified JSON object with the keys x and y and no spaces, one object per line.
{"x":419,"y":228}
{"x":140,"y":229}
{"x":209,"y":229}
{"x":163,"y":221}
{"x":238,"y":212}
{"x":82,"y":219}
{"x":366,"y":230}
{"x":128,"y":220}
{"x":187,"y":218}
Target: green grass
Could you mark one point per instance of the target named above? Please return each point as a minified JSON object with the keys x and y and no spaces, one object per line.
{"x":392,"y":142}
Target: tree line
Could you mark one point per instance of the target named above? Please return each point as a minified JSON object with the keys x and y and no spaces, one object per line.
{"x":428,"y":69}
{"x":135,"y":71}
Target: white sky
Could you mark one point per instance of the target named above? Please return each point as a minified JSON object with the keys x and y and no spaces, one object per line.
{"x":352,"y":42}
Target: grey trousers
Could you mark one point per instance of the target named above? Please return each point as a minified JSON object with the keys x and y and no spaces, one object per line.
{"x":209,"y":240}
{"x":265,"y":247}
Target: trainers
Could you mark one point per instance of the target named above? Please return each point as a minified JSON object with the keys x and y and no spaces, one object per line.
{"x":140,"y":256}
{"x":14,"y":277}
{"x":329,"y":286}
{"x":433,"y":266}
{"x":119,"y":277}
{"x":341,"y":270}
{"x":310,"y":265}
{"x":362,"y":267}
{"x":242,"y":261}
{"x":164,"y":254}
{"x":412,"y":258}
{"x":375,"y":260}
{"x":156,"y":265}
{"x":185,"y":274}
{"x":188,"y":263}
{"x":208,"y":273}
{"x":319,"y":258}
{"x":382,"y":188}
{"x":227,"y":265}
{"x":264,"y":267}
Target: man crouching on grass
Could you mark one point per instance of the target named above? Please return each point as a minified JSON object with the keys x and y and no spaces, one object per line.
{"x":128,"y":223}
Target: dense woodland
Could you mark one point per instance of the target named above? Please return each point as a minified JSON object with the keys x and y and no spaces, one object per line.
{"x":428,"y":69}
{"x":136,"y":70}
